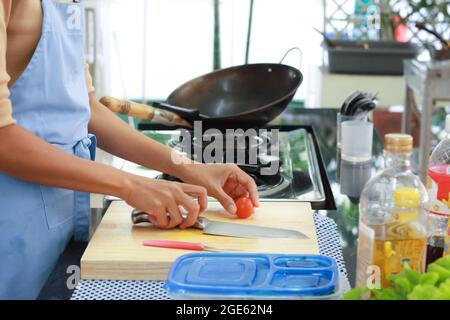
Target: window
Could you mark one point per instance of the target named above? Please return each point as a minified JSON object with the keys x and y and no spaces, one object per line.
{"x":156,"y":45}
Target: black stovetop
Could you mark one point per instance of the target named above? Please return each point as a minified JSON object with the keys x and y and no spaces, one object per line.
{"x":301,"y":177}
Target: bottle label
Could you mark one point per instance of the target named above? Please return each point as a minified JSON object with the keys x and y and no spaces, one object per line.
{"x":438,"y":187}
{"x":407,"y":202}
{"x":365,"y":253}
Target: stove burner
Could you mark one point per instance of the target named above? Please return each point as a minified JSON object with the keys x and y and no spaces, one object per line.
{"x":292,"y":149}
{"x":268,"y":185}
{"x":274,"y":185}
{"x":175,"y":144}
{"x":277,"y":185}
{"x":236,"y":141}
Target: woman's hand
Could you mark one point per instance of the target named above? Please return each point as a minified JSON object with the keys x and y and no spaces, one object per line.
{"x":225,"y":182}
{"x":163,"y":201}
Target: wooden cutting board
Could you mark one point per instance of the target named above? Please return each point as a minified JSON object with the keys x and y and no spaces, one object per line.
{"x":116,"y":252}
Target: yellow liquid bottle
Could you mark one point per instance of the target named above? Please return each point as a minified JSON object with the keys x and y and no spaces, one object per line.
{"x":392,"y":227}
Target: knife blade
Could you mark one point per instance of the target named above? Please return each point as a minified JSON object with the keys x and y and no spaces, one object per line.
{"x":229,"y":229}
{"x":235,"y":230}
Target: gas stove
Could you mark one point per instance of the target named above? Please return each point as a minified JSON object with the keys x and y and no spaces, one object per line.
{"x":299,"y":174}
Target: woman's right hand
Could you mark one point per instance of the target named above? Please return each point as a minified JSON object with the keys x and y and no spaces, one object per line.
{"x":164,"y":200}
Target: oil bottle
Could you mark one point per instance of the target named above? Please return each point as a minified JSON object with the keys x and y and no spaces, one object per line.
{"x":438,"y":187}
{"x":392,"y":225}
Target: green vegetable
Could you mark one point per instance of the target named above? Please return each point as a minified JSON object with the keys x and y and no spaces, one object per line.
{"x":355,"y":294}
{"x":444,"y":289}
{"x":430,"y":292}
{"x":385,"y":294}
{"x":403,"y":286}
{"x":442,"y":271}
{"x":445,"y":262}
{"x":424,"y":292}
{"x":411,"y":285}
{"x":430,"y":278}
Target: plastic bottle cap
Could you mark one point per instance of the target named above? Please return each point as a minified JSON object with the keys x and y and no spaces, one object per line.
{"x":398,"y":142}
{"x":447,"y":124}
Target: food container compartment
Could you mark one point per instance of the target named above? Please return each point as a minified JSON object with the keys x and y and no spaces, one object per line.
{"x":371,"y":57}
{"x":213,"y":276}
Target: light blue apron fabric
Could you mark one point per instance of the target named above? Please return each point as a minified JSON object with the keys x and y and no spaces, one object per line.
{"x":50,"y":99}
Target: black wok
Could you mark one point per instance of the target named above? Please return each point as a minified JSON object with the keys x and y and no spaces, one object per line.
{"x":243,"y":96}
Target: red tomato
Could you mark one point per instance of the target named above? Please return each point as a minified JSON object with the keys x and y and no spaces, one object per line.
{"x":244,"y":207}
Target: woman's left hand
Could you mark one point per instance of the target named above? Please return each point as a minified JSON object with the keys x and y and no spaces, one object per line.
{"x":224,"y":182}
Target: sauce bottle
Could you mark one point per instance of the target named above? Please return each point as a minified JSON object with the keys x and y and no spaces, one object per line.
{"x":438,"y":187}
{"x":392,"y":226}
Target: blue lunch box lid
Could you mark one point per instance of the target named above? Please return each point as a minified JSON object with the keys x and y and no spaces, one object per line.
{"x":253,"y":274}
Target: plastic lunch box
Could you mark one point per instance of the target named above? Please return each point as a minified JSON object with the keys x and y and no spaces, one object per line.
{"x":253,"y":276}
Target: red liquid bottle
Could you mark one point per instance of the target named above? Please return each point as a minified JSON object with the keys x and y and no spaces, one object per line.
{"x":438,"y":188}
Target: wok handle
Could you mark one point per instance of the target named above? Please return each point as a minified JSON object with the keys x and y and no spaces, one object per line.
{"x":144,"y":112}
{"x":129,"y":108}
{"x":289,"y":51}
{"x":188,"y":114}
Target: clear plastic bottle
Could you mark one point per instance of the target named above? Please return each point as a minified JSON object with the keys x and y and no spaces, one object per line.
{"x":392,"y":226}
{"x":438,"y":187}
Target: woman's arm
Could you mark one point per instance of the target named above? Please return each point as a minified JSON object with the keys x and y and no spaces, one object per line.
{"x":25,"y":156}
{"x":223,"y":182}
{"x":118,"y":138}
{"x":29,"y":158}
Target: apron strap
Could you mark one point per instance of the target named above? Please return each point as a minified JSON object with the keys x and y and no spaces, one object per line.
{"x":84,"y":149}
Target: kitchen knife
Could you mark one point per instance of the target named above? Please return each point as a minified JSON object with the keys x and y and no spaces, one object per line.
{"x":228,"y":229}
{"x":171,"y":244}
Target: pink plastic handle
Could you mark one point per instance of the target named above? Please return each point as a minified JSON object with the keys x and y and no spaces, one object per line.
{"x":174,"y":245}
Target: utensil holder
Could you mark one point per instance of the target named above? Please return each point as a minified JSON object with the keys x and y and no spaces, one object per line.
{"x":342,"y":118}
{"x":356,"y":141}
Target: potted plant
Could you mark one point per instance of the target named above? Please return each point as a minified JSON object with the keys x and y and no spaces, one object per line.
{"x":383,"y":30}
{"x":398,"y":17}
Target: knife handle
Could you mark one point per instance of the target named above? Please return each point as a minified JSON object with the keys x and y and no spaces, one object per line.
{"x":174,"y":245}
{"x":138,"y":217}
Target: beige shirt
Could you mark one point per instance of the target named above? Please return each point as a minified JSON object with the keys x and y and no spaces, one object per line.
{"x":20,"y":31}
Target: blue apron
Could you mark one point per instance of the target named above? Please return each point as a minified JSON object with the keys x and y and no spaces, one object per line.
{"x":50,"y":100}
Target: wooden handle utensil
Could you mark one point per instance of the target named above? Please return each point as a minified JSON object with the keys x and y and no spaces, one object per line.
{"x":144,"y":112}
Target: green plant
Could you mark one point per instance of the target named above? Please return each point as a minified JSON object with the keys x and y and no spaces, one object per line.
{"x":428,"y":10}
{"x":395,"y":12}
{"x":411,"y":285}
